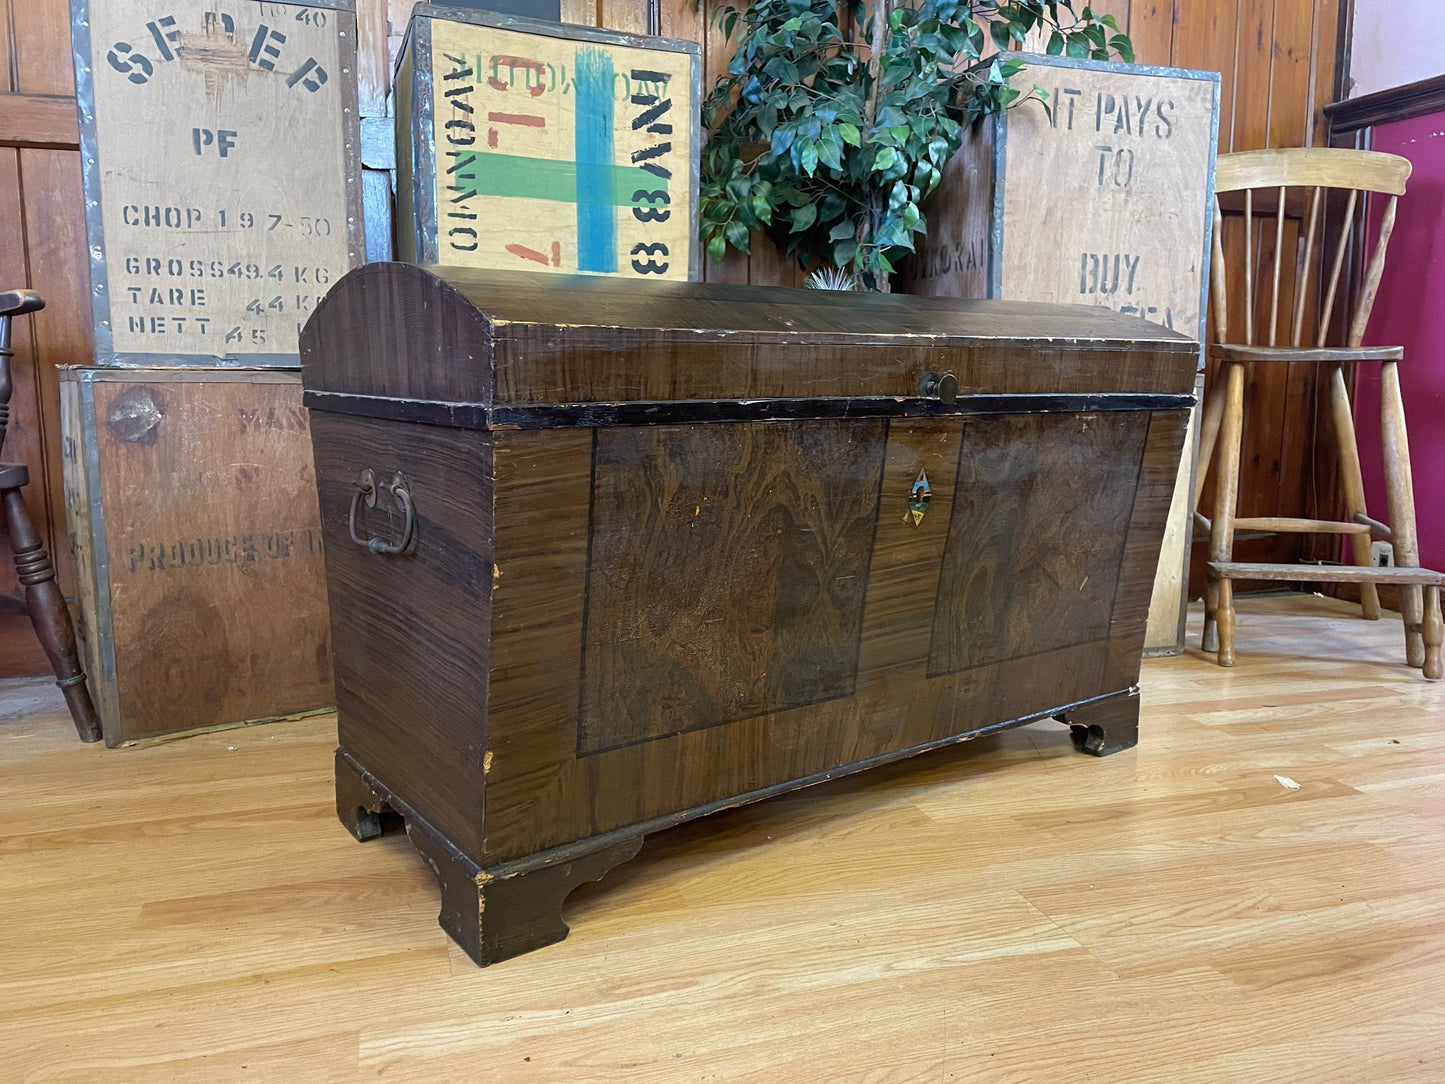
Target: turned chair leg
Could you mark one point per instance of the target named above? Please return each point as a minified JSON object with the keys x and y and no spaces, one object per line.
{"x":1433,"y":633}
{"x":1352,"y":482}
{"x":1219,"y":603}
{"x":1209,"y":641}
{"x":1226,"y":623}
{"x":49,"y":615}
{"x":1400,"y":493}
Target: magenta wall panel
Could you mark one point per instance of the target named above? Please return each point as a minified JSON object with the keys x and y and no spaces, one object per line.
{"x":1410,"y":312}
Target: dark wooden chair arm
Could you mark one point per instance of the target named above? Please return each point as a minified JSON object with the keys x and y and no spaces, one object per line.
{"x":19,"y":302}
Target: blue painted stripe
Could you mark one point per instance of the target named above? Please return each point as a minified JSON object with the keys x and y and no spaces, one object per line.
{"x":596,"y":213}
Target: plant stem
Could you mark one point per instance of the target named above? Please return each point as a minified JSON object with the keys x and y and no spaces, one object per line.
{"x":875,"y":62}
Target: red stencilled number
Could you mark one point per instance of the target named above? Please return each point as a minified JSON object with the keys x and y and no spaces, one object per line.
{"x":537,"y":257}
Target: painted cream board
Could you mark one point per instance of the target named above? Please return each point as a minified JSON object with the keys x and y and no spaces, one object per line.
{"x":220,"y":150}
{"x":556,"y":153}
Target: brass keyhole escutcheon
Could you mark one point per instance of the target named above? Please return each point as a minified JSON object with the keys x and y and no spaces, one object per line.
{"x":918,"y":497}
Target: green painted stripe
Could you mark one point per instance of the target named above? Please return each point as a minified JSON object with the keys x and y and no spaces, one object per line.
{"x":541,"y":178}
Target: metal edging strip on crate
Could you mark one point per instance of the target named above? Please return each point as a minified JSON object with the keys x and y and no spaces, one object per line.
{"x":351,"y":139}
{"x":90,"y":174}
{"x":100,"y":554}
{"x":996,"y":213}
{"x":105,"y":353}
{"x":423,"y":119}
{"x":1206,"y":268}
{"x":423,"y":136}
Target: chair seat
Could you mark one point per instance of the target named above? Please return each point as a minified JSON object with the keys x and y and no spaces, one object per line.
{"x":1337,"y":354}
{"x":14,"y":475}
{"x":1242,"y":570}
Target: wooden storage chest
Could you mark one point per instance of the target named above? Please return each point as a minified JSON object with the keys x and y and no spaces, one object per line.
{"x":604,"y":557}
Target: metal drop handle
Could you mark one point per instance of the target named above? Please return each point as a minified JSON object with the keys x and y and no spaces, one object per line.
{"x":366,"y":490}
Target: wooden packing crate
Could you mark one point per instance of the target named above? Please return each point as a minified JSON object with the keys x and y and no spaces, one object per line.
{"x":191,"y":499}
{"x":533,"y":146}
{"x":222,"y":172}
{"x":1105,"y":198}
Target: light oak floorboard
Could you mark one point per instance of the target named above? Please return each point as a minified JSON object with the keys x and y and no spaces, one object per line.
{"x":1005,"y":911}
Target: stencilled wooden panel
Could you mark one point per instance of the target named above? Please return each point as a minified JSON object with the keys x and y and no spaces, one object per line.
{"x":1102,"y":199}
{"x":221,"y":191}
{"x":570,"y":151}
{"x":1136,"y":153}
{"x":953,"y":258}
{"x":1041,"y":507}
{"x":204,"y":539}
{"x":728,"y":570}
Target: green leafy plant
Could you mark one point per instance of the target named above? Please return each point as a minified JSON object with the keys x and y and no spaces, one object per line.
{"x":834,"y":120}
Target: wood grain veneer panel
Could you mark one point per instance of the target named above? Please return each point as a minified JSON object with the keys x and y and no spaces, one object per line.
{"x":410,"y":631}
{"x":540,"y":793}
{"x":728,"y":566}
{"x":1040,"y":510}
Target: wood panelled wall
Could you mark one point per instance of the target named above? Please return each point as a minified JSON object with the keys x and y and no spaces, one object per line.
{"x":42,"y":246}
{"x":1277,"y":57}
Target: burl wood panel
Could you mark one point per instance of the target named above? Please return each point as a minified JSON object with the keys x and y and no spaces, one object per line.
{"x":727,"y":573}
{"x":1042,"y":506}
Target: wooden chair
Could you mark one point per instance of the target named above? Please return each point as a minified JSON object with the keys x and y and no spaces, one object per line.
{"x":1284,"y":180}
{"x":43,"y":599}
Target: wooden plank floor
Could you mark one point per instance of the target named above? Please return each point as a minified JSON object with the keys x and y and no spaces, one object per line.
{"x":1005,"y":911}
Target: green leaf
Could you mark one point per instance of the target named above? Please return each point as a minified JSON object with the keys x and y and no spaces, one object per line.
{"x":850,"y":134}
{"x":738,"y":236}
{"x":830,"y":151}
{"x":803,"y":217}
{"x":762,"y":207}
{"x":843,"y":252}
{"x":842,"y":231}
{"x":717,"y":248}
{"x":808,"y":157}
{"x":885,"y":160}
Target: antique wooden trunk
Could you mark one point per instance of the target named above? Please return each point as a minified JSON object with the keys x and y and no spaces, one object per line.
{"x":192,"y":516}
{"x":603,"y":557}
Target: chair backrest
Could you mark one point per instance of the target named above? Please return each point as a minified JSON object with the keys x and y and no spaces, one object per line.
{"x":12,"y":303}
{"x":1281,"y":178}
